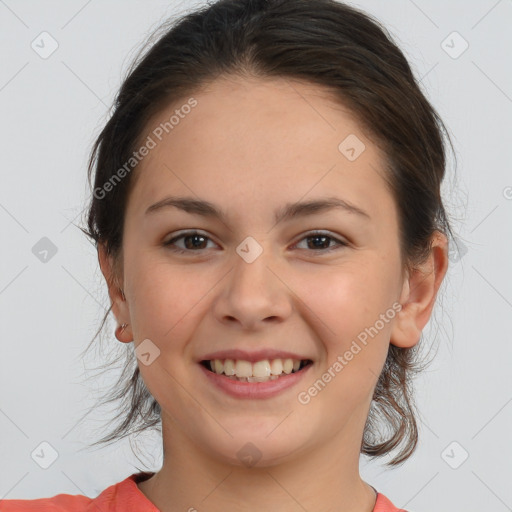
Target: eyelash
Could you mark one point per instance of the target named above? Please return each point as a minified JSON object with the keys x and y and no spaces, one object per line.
{"x":170,"y":243}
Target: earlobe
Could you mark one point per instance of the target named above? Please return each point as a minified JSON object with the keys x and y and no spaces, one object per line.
{"x":418,"y":295}
{"x":405,"y":332}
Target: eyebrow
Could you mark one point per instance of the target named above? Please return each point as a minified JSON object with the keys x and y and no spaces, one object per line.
{"x":288,"y":212}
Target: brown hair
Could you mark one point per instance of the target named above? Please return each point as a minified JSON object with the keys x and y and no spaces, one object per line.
{"x":323,"y":42}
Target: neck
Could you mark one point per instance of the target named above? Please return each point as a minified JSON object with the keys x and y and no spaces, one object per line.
{"x":320,"y":479}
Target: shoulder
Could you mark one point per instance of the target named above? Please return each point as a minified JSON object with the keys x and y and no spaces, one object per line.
{"x":124,"y":495}
{"x":383,"y":504}
{"x":58,"y":503}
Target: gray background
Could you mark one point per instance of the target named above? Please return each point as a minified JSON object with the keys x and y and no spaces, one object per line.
{"x":51,"y":109}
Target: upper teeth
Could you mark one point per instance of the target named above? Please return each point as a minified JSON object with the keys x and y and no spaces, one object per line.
{"x":264,"y":368}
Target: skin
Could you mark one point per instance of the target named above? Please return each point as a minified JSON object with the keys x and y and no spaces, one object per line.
{"x":249,"y":147}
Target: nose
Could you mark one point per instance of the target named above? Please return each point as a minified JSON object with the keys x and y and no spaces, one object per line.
{"x":253,"y":292}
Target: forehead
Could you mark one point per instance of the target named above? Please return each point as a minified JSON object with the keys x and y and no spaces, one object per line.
{"x":271,"y":140}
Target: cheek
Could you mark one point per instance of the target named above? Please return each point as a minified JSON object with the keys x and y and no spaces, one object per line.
{"x":347,"y":305}
{"x":166,"y":302}
{"x":163,"y":300}
{"x":348,"y":297}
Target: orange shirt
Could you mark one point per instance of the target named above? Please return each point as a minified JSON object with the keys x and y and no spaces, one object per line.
{"x":124,"y":496}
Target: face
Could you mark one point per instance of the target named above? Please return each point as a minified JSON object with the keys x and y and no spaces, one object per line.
{"x":322,"y":284}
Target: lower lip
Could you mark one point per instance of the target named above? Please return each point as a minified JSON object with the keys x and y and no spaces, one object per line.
{"x":270,"y":388}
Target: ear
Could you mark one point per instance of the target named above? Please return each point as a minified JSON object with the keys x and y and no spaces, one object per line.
{"x":419,"y":293}
{"x":117,"y":297}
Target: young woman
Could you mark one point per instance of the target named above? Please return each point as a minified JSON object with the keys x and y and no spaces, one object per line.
{"x":268,"y":219}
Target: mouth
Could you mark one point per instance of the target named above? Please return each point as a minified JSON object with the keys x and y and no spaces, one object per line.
{"x":257,"y":371}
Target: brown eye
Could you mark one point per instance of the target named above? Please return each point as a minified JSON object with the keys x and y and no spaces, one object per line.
{"x":193,"y":242}
{"x":319,"y":242}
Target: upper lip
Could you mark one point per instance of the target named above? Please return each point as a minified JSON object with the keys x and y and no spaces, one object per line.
{"x":253,"y":356}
